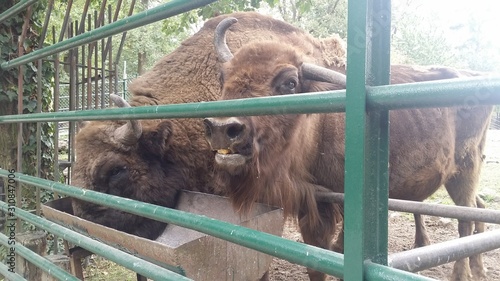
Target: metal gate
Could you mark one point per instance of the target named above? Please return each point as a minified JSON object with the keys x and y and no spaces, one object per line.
{"x":366,"y":103}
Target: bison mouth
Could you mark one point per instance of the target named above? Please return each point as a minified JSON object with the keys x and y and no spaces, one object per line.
{"x":231,"y":140}
{"x":233,"y":160}
{"x":227,"y":158}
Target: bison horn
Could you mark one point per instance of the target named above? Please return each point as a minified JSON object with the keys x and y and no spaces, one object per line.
{"x":129,"y":133}
{"x":318,"y":73}
{"x":223,"y":52}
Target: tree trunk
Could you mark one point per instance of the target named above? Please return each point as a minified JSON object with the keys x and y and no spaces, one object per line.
{"x":141,"y":62}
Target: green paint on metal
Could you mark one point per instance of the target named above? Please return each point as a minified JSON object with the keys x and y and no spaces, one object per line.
{"x":15,"y":9}
{"x":300,"y":103}
{"x":366,"y":150}
{"x":4,"y":271}
{"x":470,"y":91}
{"x":354,"y":208}
{"x":161,"y":12}
{"x":41,"y":262}
{"x":449,"y":92}
{"x":129,"y":261}
{"x":376,"y":188}
{"x":374,"y":271}
{"x":300,"y":253}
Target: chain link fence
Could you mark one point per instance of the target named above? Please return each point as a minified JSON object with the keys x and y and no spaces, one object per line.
{"x":102,"y":91}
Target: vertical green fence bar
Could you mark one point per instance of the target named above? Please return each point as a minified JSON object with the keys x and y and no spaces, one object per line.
{"x":366,"y":181}
{"x":377,"y":146}
{"x":354,"y":208}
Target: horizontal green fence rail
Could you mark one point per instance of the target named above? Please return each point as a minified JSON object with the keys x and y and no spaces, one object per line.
{"x":375,"y":271}
{"x":303,"y":254}
{"x":459,"y":92}
{"x":127,"y":260}
{"x":310,"y":256}
{"x":40,"y":262}
{"x":15,"y":9}
{"x":4,"y":271}
{"x":439,"y":93}
{"x":161,"y":12}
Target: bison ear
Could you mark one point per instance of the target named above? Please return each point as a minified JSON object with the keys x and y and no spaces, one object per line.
{"x":156,"y":140}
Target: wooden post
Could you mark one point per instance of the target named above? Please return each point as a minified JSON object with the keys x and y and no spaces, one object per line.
{"x":76,"y":255}
{"x":36,"y":241}
{"x":60,"y":260}
{"x":141,"y":62}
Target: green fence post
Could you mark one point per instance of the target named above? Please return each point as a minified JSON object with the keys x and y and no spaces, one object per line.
{"x":366,"y":177}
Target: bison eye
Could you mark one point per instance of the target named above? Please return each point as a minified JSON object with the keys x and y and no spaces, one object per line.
{"x":117,"y":178}
{"x":288,"y":87}
{"x":116,"y":171}
{"x":291,"y":84}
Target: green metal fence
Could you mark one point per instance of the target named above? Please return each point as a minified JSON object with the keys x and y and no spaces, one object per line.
{"x":366,"y":104}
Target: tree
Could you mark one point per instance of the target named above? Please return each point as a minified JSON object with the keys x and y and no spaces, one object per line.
{"x":320,"y":18}
{"x":174,"y":30}
{"x":476,"y":47}
{"x":461,"y":37}
{"x":417,"y":38}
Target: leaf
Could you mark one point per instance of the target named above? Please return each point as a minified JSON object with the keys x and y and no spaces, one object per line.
{"x":304,"y":6}
{"x":30,"y":106}
{"x":32,"y":66}
{"x":4,"y":38}
{"x":11,"y":94}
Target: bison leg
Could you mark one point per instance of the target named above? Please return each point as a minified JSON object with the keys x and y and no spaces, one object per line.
{"x":462,"y":189}
{"x":338,"y":246}
{"x":476,"y":261}
{"x":319,"y":234}
{"x":421,"y":238}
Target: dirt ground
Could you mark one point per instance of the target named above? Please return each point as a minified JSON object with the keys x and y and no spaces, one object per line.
{"x":402,"y":227}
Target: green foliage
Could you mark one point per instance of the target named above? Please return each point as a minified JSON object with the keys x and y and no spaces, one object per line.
{"x":427,"y":35}
{"x":409,"y":39}
{"x":181,"y":23}
{"x":477,"y":50}
{"x":10,"y":31}
{"x":320,"y":18}
{"x":228,"y":6}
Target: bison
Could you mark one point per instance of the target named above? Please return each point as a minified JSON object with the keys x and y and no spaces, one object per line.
{"x":151,"y":160}
{"x":286,"y":159}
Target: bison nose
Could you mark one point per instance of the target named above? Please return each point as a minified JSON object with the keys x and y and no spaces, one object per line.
{"x":222,"y":133}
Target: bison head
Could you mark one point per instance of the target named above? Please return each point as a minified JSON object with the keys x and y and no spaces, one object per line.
{"x":249,"y":150}
{"x":131,"y":160}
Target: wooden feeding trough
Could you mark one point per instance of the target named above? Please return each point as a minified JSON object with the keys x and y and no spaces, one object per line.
{"x":197,"y":255}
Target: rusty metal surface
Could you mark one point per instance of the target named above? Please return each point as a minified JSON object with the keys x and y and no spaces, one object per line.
{"x":200,"y":256}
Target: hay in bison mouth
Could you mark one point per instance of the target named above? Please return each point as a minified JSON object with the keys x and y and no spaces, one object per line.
{"x":228,"y":158}
{"x":225,"y":157}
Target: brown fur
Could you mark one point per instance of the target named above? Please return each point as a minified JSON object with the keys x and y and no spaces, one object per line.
{"x":293,"y":156}
{"x":172,"y":154}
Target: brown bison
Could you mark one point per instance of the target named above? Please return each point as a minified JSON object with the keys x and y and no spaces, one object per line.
{"x":151,"y":160}
{"x":285,"y":159}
